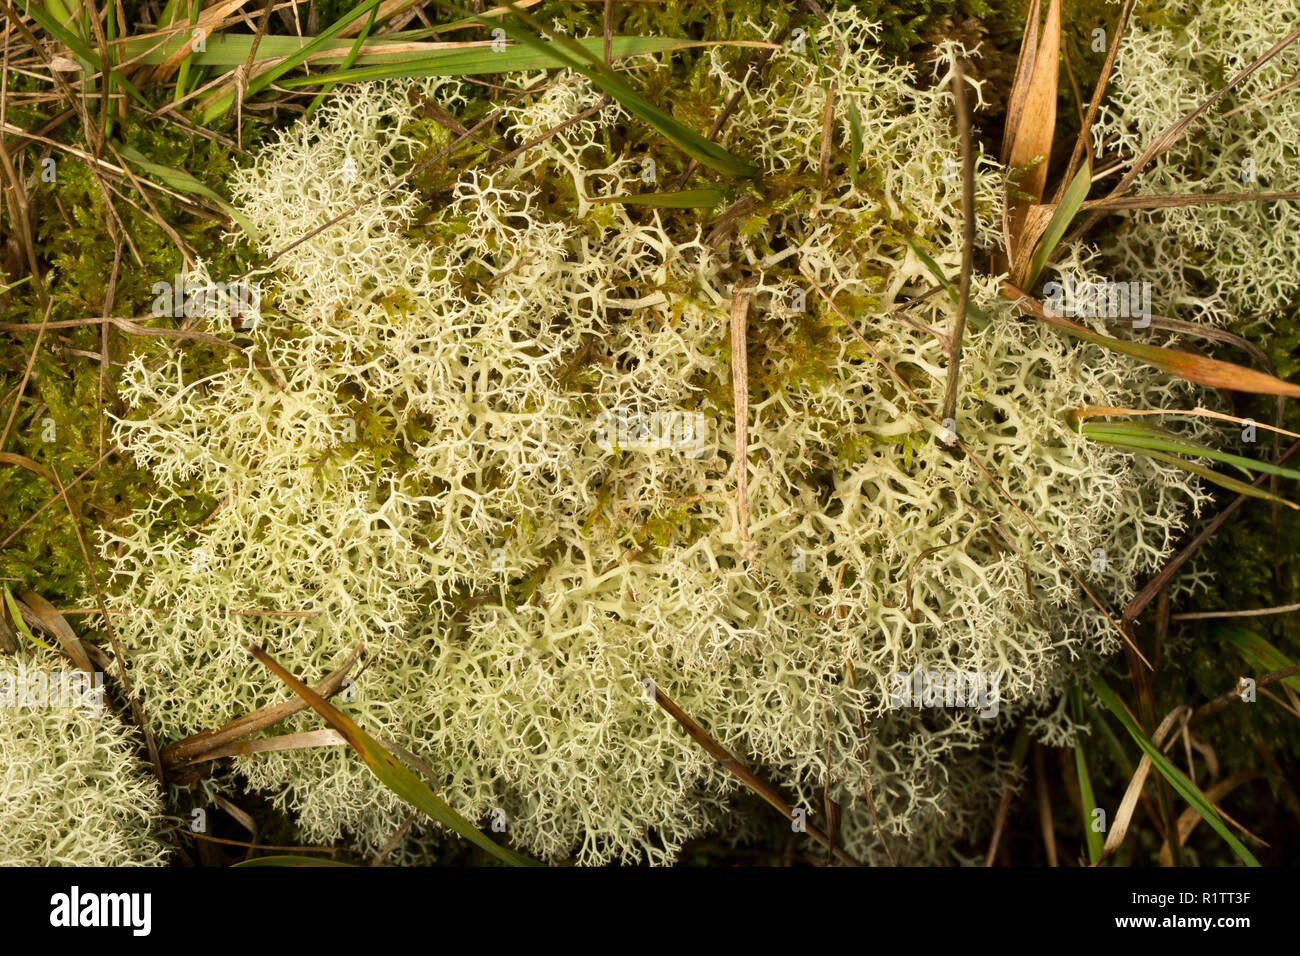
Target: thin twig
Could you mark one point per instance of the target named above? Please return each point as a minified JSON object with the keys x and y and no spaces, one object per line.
{"x":1252,"y":612}
{"x":741,"y":773}
{"x":27,"y":373}
{"x":740,"y":396}
{"x":1228,"y":698}
{"x":968,"y":238}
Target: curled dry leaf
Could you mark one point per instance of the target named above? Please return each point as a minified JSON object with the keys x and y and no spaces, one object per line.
{"x":1031,"y":124}
{"x":54,"y":623}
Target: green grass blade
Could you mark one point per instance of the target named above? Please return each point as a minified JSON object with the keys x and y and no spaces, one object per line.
{"x":1064,"y":214}
{"x":702,"y":198}
{"x":566,"y":52}
{"x":1142,"y":436}
{"x":19,"y":623}
{"x":262,"y":80}
{"x":393,"y":774}
{"x":1256,"y":650}
{"x":972,"y":310}
{"x":184,"y":182}
{"x":78,"y":46}
{"x":347,"y":62}
{"x":855,"y":121}
{"x":1086,"y":797}
{"x":855,"y":140}
{"x":183,"y":74}
{"x":1214,"y":477}
{"x":1184,"y":787}
{"x":470,"y":61}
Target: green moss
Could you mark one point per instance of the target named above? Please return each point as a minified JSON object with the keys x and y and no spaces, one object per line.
{"x":62,"y":420}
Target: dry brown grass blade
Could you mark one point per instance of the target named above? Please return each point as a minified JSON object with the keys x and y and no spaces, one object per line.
{"x":194,"y":748}
{"x":1153,"y":587}
{"x":390,"y":9}
{"x":109,"y":298}
{"x":98,"y":143}
{"x":446,"y":120}
{"x":1189,"y":818}
{"x":542,"y":137}
{"x":1214,"y":334}
{"x":190,"y":834}
{"x":8,"y":636}
{"x":607,"y":27}
{"x":733,"y":101}
{"x":1228,"y":698}
{"x":829,"y":806}
{"x":210,"y":20}
{"x":1020,"y":82}
{"x":1124,"y":815}
{"x":240,"y":816}
{"x":54,"y":623}
{"x":968,"y":239}
{"x":99,"y":163}
{"x":1169,"y":136}
{"x":27,"y":373}
{"x":1000,"y":822}
{"x":740,"y":395}
{"x":1033,"y":226}
{"x":129,"y":326}
{"x":126,"y":325}
{"x":242,"y":73}
{"x":35,"y":467}
{"x":302,"y":741}
{"x":1091,"y":411}
{"x":137,"y":711}
{"x":20,"y":214}
{"x":1247,"y":612}
{"x":741,"y":773}
{"x":1172,"y":134}
{"x":1031,"y":119}
{"x":1082,"y":142}
{"x":1194,"y":368}
{"x":1289,"y":795}
{"x":391,"y":845}
{"x":828,"y":137}
{"x":1253,"y":104}
{"x":418,"y":170}
{"x":866,"y":763}
{"x":1178,"y":200}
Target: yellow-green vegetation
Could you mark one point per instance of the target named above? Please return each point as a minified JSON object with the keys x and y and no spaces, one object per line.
{"x":485,"y":424}
{"x":515,"y":577}
{"x":74,"y":791}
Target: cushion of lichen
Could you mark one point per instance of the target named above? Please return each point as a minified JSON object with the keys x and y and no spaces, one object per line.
{"x":1228,"y":260}
{"x":429,"y":481}
{"x":73,"y":791}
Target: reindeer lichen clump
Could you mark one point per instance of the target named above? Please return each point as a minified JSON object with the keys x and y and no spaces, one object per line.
{"x":1223,"y":259}
{"x":73,"y":790}
{"x":438,"y":477}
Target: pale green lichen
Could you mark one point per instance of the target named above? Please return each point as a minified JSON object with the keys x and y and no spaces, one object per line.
{"x":489,"y":553}
{"x":1248,"y":143}
{"x":73,"y":789}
